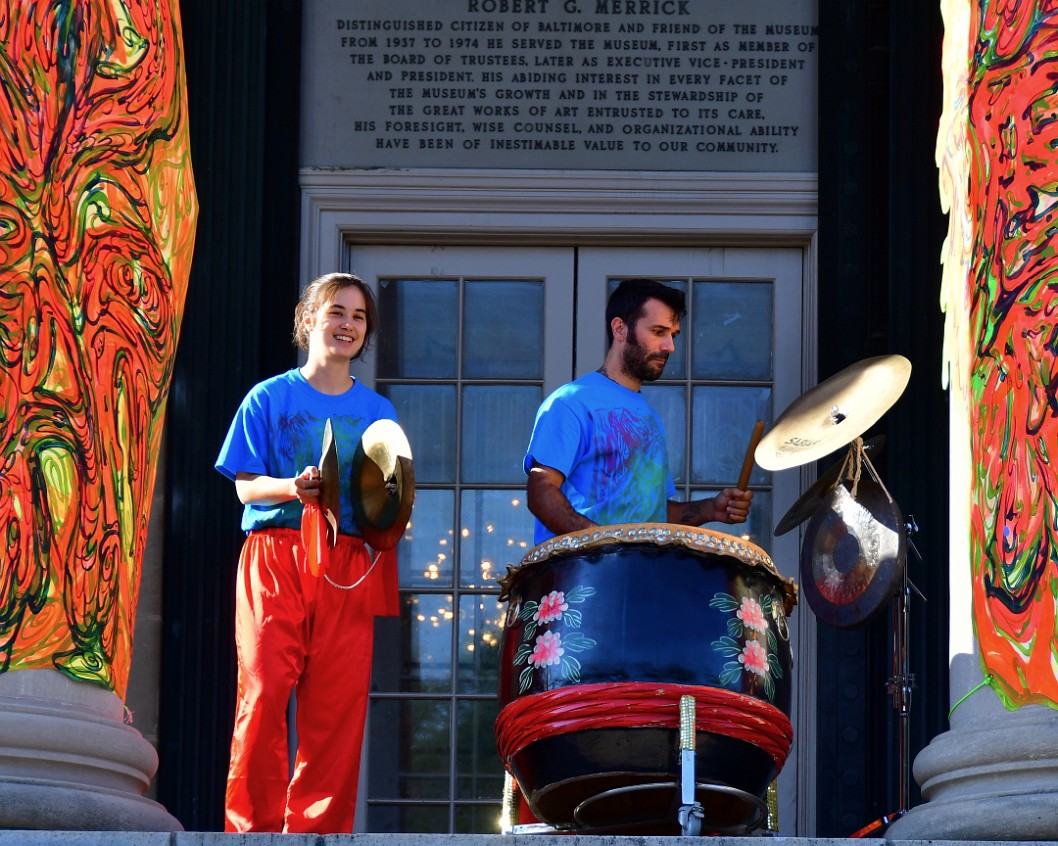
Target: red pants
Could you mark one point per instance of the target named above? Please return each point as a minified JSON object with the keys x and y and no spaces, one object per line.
{"x":294,"y":631}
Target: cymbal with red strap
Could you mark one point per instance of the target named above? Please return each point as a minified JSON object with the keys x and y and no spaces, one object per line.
{"x":383,"y":484}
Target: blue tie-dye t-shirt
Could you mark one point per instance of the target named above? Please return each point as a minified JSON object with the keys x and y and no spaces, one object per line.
{"x":278,"y":431}
{"x":610,"y":445}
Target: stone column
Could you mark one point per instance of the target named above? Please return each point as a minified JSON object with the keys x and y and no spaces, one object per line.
{"x":994,"y":774}
{"x":68,"y":761}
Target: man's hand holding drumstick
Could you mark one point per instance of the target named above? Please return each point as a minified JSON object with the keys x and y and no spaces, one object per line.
{"x":731,"y":505}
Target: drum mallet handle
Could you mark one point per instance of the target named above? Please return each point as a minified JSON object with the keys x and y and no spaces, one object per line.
{"x":747,"y":462}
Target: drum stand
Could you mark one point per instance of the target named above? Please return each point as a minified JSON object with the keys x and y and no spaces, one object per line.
{"x":899,"y":686}
{"x":690,"y":815}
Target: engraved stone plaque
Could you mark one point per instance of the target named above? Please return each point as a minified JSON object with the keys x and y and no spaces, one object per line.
{"x":698,"y":85}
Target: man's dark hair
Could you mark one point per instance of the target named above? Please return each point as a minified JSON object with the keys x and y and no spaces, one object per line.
{"x":630,"y":296}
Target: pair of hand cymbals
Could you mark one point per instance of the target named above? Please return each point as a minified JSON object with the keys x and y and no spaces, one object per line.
{"x":329,"y":484}
{"x":835,"y":412}
{"x":383,"y":484}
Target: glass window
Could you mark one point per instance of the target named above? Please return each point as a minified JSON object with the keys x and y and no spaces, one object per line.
{"x":504,"y":330}
{"x":497,"y":531}
{"x":462,"y":361}
{"x":426,"y":553}
{"x":480,"y":628}
{"x":478,"y":818}
{"x":427,"y":414}
{"x":420,"y":818}
{"x":722,"y":420}
{"x":418,"y":768}
{"x":497,"y":422}
{"x":732,"y":326}
{"x":478,"y":776}
{"x":418,"y":330}
{"x":424,"y":639}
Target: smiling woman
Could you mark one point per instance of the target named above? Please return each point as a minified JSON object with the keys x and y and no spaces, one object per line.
{"x":304,"y":618}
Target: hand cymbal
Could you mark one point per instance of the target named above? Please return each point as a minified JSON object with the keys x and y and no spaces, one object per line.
{"x":834,"y":413}
{"x":808,"y":502}
{"x":383,"y":484}
{"x":329,"y":483}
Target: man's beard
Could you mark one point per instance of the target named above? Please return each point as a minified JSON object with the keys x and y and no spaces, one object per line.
{"x":637,"y":364}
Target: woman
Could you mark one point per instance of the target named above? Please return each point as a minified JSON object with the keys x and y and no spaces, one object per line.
{"x":297,"y":627}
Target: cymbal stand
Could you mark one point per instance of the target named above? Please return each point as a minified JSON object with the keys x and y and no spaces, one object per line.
{"x":899,"y":686}
{"x":902,"y":682}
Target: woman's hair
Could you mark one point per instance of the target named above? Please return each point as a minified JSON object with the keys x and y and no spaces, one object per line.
{"x":324,"y":290}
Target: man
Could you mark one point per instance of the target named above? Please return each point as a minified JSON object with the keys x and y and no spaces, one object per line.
{"x":597,"y":455}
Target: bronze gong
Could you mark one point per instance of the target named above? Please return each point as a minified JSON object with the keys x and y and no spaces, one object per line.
{"x":852,"y":557}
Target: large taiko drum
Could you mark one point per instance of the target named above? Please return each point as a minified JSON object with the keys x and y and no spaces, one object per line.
{"x":605,"y":631}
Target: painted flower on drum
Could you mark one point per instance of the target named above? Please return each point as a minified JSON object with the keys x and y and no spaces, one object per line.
{"x":551,"y":607}
{"x":548,"y":650}
{"x":754,"y":658}
{"x":551,"y":648}
{"x":750,"y":640}
{"x":752,"y":615}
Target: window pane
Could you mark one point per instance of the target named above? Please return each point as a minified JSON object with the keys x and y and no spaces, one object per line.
{"x":418,"y":328}
{"x":426,"y":553}
{"x":478,"y":767}
{"x":497,"y":422}
{"x":427,"y":414}
{"x":480,"y":625}
{"x":732,"y":330}
{"x":722,"y":420}
{"x":478,"y":819}
{"x":497,"y":532}
{"x":503,"y":335}
{"x":671,"y":404}
{"x":417,"y":767}
{"x":425,"y":644}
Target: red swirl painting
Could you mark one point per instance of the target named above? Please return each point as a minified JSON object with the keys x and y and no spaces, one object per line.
{"x":97,"y":220}
{"x":1012,"y":291}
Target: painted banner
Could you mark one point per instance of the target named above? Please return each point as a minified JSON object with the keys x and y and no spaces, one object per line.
{"x":97,"y":222}
{"x":998,"y":151}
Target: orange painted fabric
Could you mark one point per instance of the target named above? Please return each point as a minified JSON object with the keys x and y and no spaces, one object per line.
{"x":298,"y":632}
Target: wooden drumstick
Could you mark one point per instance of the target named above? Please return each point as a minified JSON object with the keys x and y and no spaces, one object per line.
{"x":747,"y":462}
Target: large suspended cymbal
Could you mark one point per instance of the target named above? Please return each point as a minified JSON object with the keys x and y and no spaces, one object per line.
{"x":852,"y":558}
{"x":383,"y":484}
{"x":809,"y":501}
{"x":834,"y":413}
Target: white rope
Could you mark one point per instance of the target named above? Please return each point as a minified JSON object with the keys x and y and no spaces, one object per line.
{"x":333,"y":583}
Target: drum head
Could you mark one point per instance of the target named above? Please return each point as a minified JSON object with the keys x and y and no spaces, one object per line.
{"x":852,"y":558}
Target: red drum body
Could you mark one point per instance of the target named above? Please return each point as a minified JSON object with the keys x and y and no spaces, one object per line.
{"x":605,"y":631}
